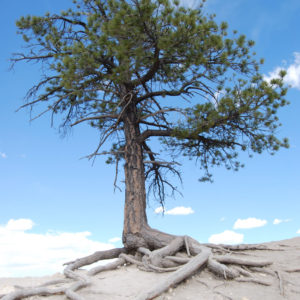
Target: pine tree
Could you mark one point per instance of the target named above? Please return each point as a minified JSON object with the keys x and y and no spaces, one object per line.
{"x":144,"y":70}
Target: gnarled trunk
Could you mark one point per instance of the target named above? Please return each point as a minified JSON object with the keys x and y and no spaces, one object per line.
{"x":135,"y":218}
{"x":136,"y":231}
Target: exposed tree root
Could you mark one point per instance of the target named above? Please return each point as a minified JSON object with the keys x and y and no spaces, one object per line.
{"x":223,"y":295}
{"x":262,"y":270}
{"x":183,"y":256}
{"x":41,"y":291}
{"x":254,"y":280}
{"x":292,"y":270}
{"x":242,"y":247}
{"x":243,"y":262}
{"x":78,"y":281}
{"x":184,"y":272}
{"x":110,"y":266}
{"x":281,"y":284}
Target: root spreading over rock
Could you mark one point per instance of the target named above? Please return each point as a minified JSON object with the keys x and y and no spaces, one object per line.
{"x":182,"y":256}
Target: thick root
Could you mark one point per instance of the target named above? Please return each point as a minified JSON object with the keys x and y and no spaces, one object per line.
{"x":243,"y":262}
{"x":99,"y":255}
{"x":242,"y":247}
{"x":221,"y":270}
{"x":111,"y":266}
{"x":40,"y":291}
{"x":184,"y":272}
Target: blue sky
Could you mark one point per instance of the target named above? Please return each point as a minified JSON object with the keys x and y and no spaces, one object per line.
{"x":63,"y":207}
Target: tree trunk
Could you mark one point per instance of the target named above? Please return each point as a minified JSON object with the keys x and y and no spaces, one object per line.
{"x":135,"y":218}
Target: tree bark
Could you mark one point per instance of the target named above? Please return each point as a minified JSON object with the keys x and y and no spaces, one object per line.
{"x":135,"y":218}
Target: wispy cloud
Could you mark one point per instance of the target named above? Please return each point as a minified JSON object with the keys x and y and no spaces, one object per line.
{"x":292,"y":77}
{"x":226,"y":237}
{"x":3,"y":155}
{"x":30,"y":254}
{"x":278,"y":221}
{"x":179,"y":210}
{"x":114,"y":240}
{"x":298,"y":231}
{"x":249,"y":223}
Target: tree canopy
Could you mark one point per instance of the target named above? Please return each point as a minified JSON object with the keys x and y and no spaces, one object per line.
{"x":186,"y":79}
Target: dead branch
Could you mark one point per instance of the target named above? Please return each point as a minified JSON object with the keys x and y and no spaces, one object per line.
{"x":95,"y":118}
{"x":157,"y":162}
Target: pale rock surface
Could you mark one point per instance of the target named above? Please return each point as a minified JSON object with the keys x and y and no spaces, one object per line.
{"x":127,"y":282}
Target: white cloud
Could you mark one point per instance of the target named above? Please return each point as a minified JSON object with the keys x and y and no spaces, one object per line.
{"x":114,"y":240}
{"x":226,"y":237}
{"x":292,"y":77}
{"x":179,"y":210}
{"x":19,"y":225}
{"x":159,"y":210}
{"x":249,"y":223}
{"x":278,"y":221}
{"x":298,"y":231}
{"x":30,"y":254}
{"x":3,"y":155}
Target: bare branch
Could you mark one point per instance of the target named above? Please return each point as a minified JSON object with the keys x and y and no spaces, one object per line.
{"x":74,"y":22}
{"x":154,"y":124}
{"x":157,"y":162}
{"x":116,"y":175}
{"x":162,"y":112}
{"x":113,"y":128}
{"x":95,"y":118}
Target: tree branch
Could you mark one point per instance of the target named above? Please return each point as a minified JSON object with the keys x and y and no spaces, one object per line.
{"x":74,"y":22}
{"x":95,"y":118}
{"x":152,"y":71}
{"x":192,"y":136}
{"x":149,"y":132}
{"x":157,"y":162}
